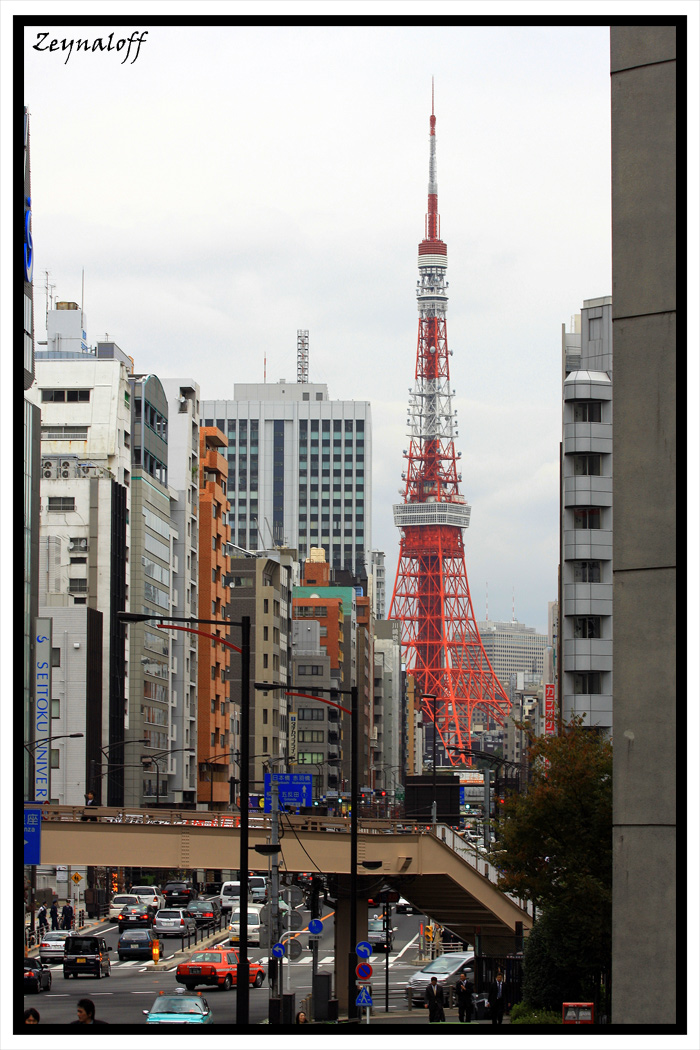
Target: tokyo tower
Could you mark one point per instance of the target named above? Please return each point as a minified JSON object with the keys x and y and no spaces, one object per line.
{"x":441,"y":642}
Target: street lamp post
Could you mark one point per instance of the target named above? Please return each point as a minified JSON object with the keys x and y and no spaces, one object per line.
{"x":162,"y":755}
{"x":112,"y":767}
{"x":243,"y":969}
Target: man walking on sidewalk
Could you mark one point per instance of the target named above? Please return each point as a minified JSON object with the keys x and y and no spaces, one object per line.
{"x":497,"y":999}
{"x":464,"y":998}
{"x":435,"y":1001}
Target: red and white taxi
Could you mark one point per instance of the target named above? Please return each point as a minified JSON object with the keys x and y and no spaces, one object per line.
{"x":216,"y":966}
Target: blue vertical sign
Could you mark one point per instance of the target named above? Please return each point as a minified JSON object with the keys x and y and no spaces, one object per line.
{"x":32,"y":836}
{"x":42,"y":709}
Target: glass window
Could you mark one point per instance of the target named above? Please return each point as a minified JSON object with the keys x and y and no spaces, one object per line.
{"x":588,"y":465}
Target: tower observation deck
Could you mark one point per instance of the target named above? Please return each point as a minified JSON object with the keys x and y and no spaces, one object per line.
{"x":439,"y":635}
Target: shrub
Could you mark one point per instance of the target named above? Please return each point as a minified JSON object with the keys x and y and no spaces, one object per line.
{"x":524,"y":1013}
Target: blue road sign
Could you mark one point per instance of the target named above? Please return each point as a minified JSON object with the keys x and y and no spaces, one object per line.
{"x":295,"y":789}
{"x":32,"y":836}
{"x":364,"y":949}
{"x":364,"y":998}
{"x":315,"y":926}
{"x":278,"y":950}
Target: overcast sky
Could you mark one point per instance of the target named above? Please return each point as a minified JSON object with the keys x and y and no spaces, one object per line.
{"x":230,"y":185}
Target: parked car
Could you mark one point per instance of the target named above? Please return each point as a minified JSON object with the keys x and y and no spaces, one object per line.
{"x":173,"y":922}
{"x":88,"y":954}
{"x":378,"y":937}
{"x":404,"y":907}
{"x":216,"y":966}
{"x":119,"y":901}
{"x":149,"y":895}
{"x":255,"y":926}
{"x":136,"y":944}
{"x":446,"y":968}
{"x":37,"y":976}
{"x":179,"y":1008}
{"x":178,"y":894}
{"x":204,"y":912}
{"x":136,"y":915}
{"x":52,"y":945}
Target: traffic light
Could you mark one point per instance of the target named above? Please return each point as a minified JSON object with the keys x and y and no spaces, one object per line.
{"x":383,"y":794}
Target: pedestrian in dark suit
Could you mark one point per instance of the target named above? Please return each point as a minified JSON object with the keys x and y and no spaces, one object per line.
{"x":67,"y":916}
{"x":497,"y":999}
{"x":435,"y":1001}
{"x":53,"y":912}
{"x":464,"y":998}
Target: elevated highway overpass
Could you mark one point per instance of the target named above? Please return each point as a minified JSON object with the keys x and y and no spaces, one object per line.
{"x":438,"y":872}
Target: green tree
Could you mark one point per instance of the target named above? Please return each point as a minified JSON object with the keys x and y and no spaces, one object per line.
{"x":554,"y":848}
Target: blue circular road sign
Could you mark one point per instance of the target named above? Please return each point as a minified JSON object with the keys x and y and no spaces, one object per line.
{"x":315,"y":926}
{"x":364,"y":949}
{"x":278,"y":950}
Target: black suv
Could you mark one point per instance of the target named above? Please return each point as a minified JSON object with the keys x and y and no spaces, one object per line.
{"x":86,"y":954}
{"x":178,"y":894}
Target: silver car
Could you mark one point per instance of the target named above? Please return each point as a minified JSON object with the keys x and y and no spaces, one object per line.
{"x":173,"y":922}
{"x":52,"y":945}
{"x":446,"y":968}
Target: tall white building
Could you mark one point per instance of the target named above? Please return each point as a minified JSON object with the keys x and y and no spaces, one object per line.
{"x":183,"y":484}
{"x":585,"y":621}
{"x":513,"y":647}
{"x":299,"y":470}
{"x":84,"y":401}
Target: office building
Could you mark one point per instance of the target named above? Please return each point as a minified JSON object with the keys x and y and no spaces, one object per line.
{"x":214,"y":709}
{"x":586,"y":625}
{"x":186,"y":517}
{"x":84,"y":399}
{"x":299,"y":470}
{"x":511,"y":646}
{"x":150,"y":768}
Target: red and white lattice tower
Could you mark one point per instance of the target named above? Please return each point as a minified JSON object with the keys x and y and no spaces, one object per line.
{"x":441,"y":642}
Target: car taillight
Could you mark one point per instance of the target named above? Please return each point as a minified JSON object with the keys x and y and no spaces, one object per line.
{"x":120,"y":917}
{"x":182,"y":922}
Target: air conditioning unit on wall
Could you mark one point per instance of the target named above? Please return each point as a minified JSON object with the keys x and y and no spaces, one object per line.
{"x":48,"y":468}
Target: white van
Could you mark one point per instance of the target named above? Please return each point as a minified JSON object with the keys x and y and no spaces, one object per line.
{"x":254,"y":925}
{"x":230,"y":895}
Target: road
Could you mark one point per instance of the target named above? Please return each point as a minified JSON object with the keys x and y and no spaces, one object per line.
{"x":133,"y":986}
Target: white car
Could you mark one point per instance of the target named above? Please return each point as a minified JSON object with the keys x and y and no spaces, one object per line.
{"x":119,"y":901}
{"x":148,"y":895}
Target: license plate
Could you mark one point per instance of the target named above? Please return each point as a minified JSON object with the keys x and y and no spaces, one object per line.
{"x":195,"y":969}
{"x":81,"y":960}
{"x":135,"y":946}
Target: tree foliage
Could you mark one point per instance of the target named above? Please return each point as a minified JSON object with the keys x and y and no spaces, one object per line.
{"x":554,"y":845}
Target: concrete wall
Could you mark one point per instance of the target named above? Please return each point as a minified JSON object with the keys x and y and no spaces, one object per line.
{"x":644,"y":738}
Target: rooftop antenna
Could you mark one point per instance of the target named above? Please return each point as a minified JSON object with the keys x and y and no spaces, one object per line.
{"x":265,"y":368}
{"x":513,"y":603}
{"x":302,"y":355}
{"x":82,"y":304}
{"x":487,"y":601}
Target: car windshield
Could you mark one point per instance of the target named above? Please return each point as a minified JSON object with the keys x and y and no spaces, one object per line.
{"x":253,"y":917}
{"x":165,"y":914}
{"x":118,"y":901}
{"x":178,"y":1005}
{"x":375,"y":926}
{"x":82,"y":945}
{"x":54,"y":936}
{"x":136,"y":935}
{"x":445,"y":964}
{"x":206,"y":957}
